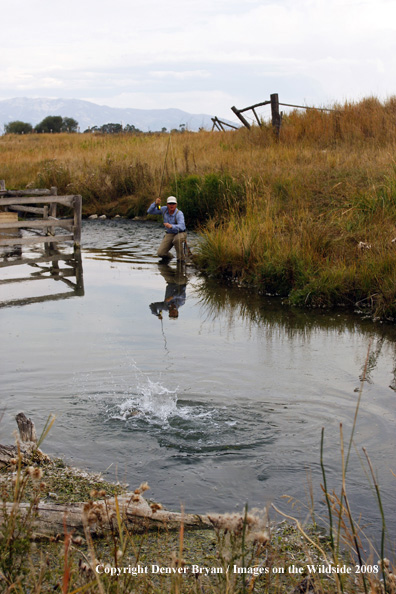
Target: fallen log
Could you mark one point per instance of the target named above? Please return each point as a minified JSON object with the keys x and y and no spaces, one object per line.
{"x":135,"y":512}
{"x":51,"y":519}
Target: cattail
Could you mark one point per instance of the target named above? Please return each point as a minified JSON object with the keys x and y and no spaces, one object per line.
{"x":155,"y":507}
{"x":37,"y":474}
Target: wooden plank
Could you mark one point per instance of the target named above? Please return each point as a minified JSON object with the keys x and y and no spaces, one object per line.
{"x":31,"y":209}
{"x":6,"y":217}
{"x":34,"y":224}
{"x":32,"y":192}
{"x":255,"y":105}
{"x":67,"y":200}
{"x":36,"y":239}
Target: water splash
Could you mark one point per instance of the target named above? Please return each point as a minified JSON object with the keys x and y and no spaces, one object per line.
{"x":153,"y":402}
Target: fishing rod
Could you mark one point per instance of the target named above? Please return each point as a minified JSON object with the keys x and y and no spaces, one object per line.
{"x":163,"y":169}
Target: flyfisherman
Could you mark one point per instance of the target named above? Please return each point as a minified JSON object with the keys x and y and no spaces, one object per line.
{"x":175,"y":228}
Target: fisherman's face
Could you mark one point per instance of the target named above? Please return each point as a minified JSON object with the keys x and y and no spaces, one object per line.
{"x":171,"y":208}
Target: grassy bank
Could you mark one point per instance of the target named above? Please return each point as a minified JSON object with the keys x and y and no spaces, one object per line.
{"x":244,"y":553}
{"x":310,"y":217}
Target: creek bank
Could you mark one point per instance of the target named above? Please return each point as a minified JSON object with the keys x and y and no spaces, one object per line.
{"x":132,"y":531}
{"x":70,"y":499}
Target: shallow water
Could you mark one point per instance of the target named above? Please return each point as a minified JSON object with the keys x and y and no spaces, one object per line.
{"x":222,"y":406}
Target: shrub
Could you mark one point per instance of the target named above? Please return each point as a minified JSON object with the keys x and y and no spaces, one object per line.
{"x":204,"y":197}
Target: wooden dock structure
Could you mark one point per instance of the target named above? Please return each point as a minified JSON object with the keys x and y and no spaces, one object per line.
{"x":43,"y":204}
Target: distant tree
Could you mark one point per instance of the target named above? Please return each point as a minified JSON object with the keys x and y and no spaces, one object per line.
{"x":50,"y":124}
{"x":111,"y":128}
{"x":131,"y":129}
{"x":18,"y":127}
{"x":57,"y":124}
{"x":69,"y":125}
{"x":180,"y":129}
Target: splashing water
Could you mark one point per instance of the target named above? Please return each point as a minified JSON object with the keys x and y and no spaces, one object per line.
{"x":153,"y":402}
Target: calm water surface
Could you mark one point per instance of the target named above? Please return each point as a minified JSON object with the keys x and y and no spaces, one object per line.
{"x":222,"y":406}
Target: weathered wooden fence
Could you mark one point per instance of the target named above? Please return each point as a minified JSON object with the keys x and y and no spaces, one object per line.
{"x":219,"y":124}
{"x":52,"y":265}
{"x":276,"y":115}
{"x":43,"y":204}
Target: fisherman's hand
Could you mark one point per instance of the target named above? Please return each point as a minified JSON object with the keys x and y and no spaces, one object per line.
{"x":168,"y":225}
{"x":158,"y":201}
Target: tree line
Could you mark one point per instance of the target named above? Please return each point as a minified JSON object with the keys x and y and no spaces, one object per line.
{"x":58,"y":124}
{"x":55,"y":124}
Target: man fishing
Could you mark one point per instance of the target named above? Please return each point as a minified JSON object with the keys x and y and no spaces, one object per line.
{"x":175,"y":228}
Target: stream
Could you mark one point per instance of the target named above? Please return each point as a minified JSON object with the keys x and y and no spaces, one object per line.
{"x":220,"y":406}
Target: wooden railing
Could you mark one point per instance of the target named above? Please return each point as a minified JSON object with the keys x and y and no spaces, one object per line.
{"x":54,"y":265}
{"x":43,"y":204}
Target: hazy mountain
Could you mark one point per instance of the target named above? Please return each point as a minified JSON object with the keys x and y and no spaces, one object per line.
{"x":89,"y":114}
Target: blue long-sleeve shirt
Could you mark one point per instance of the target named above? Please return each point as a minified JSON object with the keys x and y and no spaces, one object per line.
{"x":176,"y":220}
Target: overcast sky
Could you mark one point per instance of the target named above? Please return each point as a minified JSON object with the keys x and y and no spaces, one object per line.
{"x":202,"y":56}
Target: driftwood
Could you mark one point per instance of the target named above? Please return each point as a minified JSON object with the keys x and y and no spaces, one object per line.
{"x":136,"y":513}
{"x":26,"y":428}
{"x":51,"y":519}
{"x":26,"y":447}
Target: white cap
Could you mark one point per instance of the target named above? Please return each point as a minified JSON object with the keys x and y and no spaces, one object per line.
{"x":171,"y":200}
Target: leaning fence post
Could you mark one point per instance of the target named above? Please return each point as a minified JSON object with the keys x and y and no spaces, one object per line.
{"x":2,"y":185}
{"x":240,"y":116}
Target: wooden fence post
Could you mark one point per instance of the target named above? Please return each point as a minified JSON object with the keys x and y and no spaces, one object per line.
{"x":276,"y":116}
{"x":2,"y":185}
{"x":77,"y":220}
{"x":240,"y":116}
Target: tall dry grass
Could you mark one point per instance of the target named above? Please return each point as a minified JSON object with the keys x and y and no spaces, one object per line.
{"x":285,"y":215}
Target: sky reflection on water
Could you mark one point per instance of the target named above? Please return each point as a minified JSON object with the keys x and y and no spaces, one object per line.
{"x":221,"y":405}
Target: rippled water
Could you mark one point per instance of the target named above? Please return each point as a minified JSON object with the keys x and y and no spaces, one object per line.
{"x":223,"y":405}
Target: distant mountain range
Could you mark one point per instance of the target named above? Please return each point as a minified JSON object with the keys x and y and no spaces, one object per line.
{"x":90,"y":114}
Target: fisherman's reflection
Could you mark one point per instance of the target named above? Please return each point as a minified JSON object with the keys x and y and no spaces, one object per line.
{"x":175,"y":292}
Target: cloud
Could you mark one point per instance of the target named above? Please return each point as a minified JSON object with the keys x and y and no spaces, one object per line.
{"x":238,"y":50}
{"x":180,"y":75}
